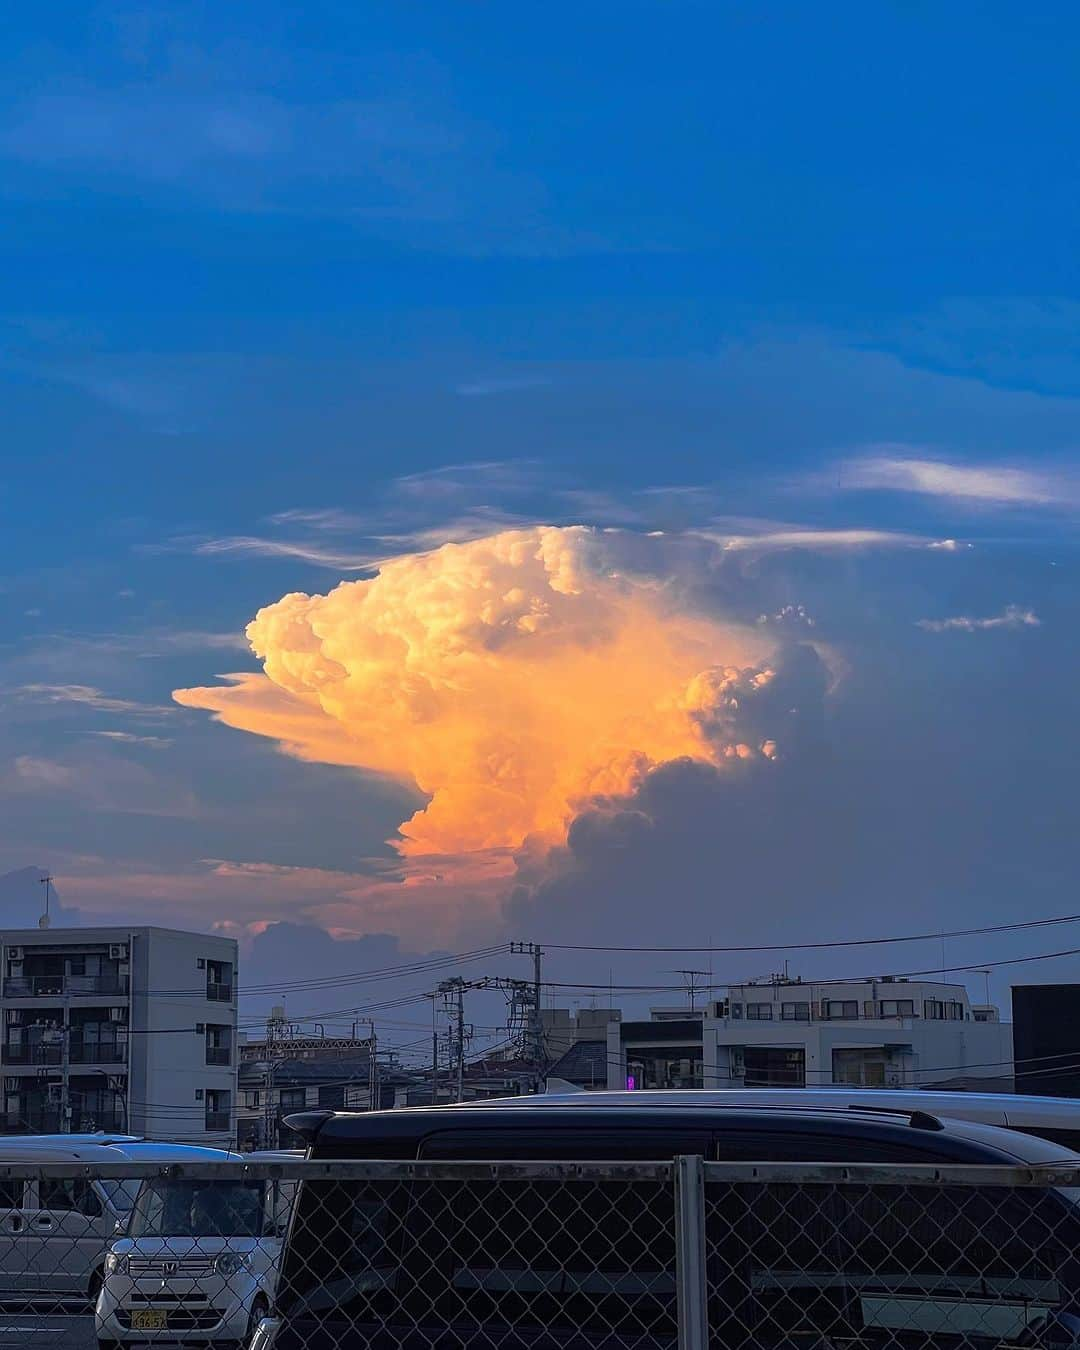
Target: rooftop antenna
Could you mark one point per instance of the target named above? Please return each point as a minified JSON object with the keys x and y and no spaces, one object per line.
{"x":45,"y":919}
{"x":691,"y":985}
{"x":986,"y":975}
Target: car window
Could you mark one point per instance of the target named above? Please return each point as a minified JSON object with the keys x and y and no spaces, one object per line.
{"x":582,"y":1143}
{"x":10,"y":1193}
{"x":73,"y":1194}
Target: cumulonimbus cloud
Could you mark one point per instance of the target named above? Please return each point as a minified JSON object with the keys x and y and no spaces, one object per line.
{"x":510,"y":678}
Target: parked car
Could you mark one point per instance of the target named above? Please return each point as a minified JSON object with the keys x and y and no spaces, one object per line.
{"x":1053,"y":1118}
{"x":55,"y":1231}
{"x":436,"y":1260}
{"x":198,"y":1261}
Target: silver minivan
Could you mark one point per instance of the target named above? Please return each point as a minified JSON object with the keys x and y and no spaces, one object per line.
{"x":55,"y":1231}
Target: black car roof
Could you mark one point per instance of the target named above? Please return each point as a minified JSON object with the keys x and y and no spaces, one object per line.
{"x":332,"y":1131}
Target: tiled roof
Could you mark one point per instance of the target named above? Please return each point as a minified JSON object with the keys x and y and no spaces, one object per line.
{"x":584,"y":1063}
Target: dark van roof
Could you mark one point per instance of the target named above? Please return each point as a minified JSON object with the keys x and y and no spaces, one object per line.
{"x":612,"y":1132}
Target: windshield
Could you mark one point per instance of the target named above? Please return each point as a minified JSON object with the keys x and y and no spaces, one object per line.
{"x":122,"y":1194}
{"x":199,"y":1209}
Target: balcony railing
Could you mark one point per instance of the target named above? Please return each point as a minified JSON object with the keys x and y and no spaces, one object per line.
{"x":82,"y":1052}
{"x":54,"y":986}
{"x":52,"y":1052}
{"x":38,"y":1120}
{"x":218,"y":1122}
{"x":218,"y":1054}
{"x":217,"y":992}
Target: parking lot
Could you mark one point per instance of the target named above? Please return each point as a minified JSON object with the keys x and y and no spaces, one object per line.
{"x":22,"y":1325}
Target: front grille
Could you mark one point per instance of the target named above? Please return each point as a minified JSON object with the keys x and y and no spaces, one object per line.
{"x":158,"y":1268}
{"x":160,"y":1296}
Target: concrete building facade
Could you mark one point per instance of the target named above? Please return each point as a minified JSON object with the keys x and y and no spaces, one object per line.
{"x":127,"y":1029}
{"x":886,"y":1033}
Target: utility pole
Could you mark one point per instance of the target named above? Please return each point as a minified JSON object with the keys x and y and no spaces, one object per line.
{"x":434,"y":1050}
{"x":453,"y":993}
{"x":65,"y":1071}
{"x":536,"y":1022}
{"x":461,"y":1040}
{"x":275,"y":1030}
{"x":374,"y":1101}
{"x":46,"y":918}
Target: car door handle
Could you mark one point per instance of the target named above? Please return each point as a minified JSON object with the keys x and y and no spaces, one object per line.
{"x":44,"y":1221}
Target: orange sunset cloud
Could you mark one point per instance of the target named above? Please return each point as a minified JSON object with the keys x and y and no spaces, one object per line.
{"x":511,"y":679}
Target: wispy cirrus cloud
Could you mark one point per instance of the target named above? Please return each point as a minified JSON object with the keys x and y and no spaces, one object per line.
{"x":88,"y":696}
{"x":767,"y":540}
{"x":972,"y":484}
{"x":1013,"y":616}
{"x":259,"y":546}
{"x":130,"y":738}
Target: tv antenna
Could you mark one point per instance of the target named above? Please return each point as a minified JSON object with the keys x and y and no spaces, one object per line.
{"x":691,"y":985}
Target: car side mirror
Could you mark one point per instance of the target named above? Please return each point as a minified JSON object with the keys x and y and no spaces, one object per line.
{"x":118,"y":1227}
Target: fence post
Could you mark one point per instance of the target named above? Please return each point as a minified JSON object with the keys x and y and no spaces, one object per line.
{"x":693,"y":1308}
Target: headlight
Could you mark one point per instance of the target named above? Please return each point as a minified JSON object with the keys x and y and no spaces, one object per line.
{"x":116,"y":1264}
{"x":230,"y":1263}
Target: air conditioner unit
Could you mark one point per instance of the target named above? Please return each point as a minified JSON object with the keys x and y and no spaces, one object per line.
{"x":118,"y":951}
{"x":15,"y":953}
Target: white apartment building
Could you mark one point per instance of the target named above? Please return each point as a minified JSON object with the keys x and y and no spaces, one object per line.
{"x":889,"y":1033}
{"x":124,"y":1029}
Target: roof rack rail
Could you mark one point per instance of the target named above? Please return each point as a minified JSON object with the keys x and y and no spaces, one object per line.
{"x":916,"y":1118}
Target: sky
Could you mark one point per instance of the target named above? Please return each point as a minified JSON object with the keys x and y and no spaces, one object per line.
{"x":641,"y":438}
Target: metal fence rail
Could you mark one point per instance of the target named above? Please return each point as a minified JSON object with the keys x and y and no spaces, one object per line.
{"x":683,"y":1255}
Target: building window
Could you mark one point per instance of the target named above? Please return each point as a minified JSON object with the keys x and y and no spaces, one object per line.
{"x":859,"y":1068}
{"x":954,"y":1012}
{"x":934,"y":1009}
{"x":292,"y":1099}
{"x":847,"y":1008}
{"x":759,"y":1012}
{"x":795,"y":1012}
{"x":218,"y":1043}
{"x":767,"y":1066}
{"x":251,"y":1098}
{"x":897,"y":1007}
{"x":219,"y":981}
{"x":218,"y":1110}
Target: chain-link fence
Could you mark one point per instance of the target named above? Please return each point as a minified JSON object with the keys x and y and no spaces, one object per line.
{"x":534,"y":1256}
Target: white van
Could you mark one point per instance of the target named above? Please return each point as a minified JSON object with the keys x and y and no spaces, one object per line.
{"x":198,"y":1261}
{"x":55,"y":1231}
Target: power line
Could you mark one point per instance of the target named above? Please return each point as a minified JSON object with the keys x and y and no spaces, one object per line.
{"x":819,"y":946}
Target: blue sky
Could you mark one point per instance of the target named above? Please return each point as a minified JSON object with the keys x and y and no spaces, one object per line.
{"x":288,"y":292}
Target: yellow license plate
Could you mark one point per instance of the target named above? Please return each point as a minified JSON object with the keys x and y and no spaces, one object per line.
{"x":149,"y":1319}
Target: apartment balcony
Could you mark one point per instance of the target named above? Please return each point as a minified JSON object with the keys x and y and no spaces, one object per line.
{"x":218,"y":1054}
{"x":52,"y":1053}
{"x":218,"y":1122}
{"x":76,"y":986}
{"x":217,"y":992}
{"x":47,"y":1120}
{"x":32,"y":1121}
